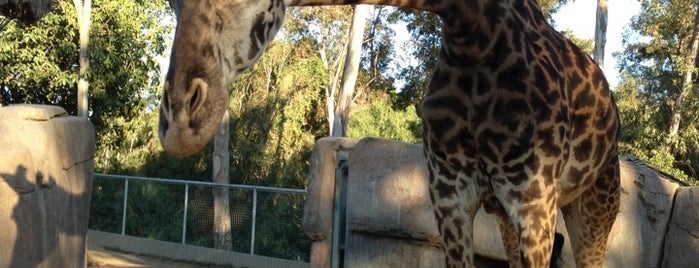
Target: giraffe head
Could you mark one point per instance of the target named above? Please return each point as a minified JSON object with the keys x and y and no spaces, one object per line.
{"x":214,"y":42}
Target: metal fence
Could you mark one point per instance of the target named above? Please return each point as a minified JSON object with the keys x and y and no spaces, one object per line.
{"x":265,"y":221}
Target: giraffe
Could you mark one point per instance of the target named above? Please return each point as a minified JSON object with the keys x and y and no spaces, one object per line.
{"x":516,"y":118}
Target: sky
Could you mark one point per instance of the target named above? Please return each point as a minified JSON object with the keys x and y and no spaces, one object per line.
{"x":580,"y":16}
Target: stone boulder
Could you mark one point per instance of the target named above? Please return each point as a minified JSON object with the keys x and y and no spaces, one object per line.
{"x":388,"y":207}
{"x":46,"y":168}
{"x":388,"y":219}
{"x":682,"y":238}
{"x":647,"y":198}
{"x":327,"y":161}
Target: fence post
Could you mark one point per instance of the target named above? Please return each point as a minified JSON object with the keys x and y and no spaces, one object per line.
{"x":184,"y":218}
{"x":123,"y":213}
{"x":254,"y":220}
{"x":337,"y":257}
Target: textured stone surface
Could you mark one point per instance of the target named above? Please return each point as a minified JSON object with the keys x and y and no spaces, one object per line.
{"x":682,"y":239}
{"x":369,"y":251}
{"x":317,"y":213}
{"x":320,"y":196}
{"x":46,"y":172}
{"x":389,"y":215}
{"x":646,"y":202}
{"x":388,"y":191}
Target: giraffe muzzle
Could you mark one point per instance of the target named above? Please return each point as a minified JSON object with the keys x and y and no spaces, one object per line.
{"x":186,"y":125}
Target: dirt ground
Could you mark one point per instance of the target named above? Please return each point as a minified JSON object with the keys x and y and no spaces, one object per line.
{"x":101,"y":257}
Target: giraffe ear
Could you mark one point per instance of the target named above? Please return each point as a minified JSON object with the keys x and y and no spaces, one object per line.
{"x":199,"y":90}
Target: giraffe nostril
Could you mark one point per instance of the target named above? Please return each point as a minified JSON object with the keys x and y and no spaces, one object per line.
{"x":194,"y":100}
{"x":165,"y":101}
{"x":199,"y":89}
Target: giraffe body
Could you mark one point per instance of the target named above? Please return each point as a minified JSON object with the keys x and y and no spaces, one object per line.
{"x":516,"y":118}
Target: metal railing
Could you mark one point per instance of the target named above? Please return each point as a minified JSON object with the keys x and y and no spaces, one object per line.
{"x":125,"y":206}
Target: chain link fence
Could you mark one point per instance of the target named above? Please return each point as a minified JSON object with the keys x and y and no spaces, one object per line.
{"x":265,"y":221}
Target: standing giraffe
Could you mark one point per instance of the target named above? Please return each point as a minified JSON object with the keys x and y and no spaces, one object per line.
{"x":516,"y":118}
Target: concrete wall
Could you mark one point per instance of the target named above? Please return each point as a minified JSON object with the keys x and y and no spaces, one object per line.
{"x":46,"y":167}
{"x":389,"y":220}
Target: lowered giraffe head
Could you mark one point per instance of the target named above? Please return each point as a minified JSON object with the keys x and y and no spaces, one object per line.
{"x":214,"y":42}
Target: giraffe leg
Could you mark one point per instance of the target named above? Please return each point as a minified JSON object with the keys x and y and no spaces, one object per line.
{"x":454,"y":211}
{"x":537,"y":232}
{"x":589,"y":218}
{"x":533,"y":216}
{"x":510,"y":239}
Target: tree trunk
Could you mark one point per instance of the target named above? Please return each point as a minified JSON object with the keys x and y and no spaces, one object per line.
{"x":351,"y":69}
{"x":689,"y":68}
{"x":176,"y":5}
{"x":84,"y":11}
{"x":600,"y":32}
{"x":222,"y":216}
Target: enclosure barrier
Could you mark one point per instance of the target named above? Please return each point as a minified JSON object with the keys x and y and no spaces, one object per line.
{"x":270,"y":219}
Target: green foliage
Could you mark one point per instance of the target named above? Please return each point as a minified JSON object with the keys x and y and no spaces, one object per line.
{"x":549,"y":7}
{"x":275,"y":238}
{"x":653,"y":64}
{"x":587,"y":45}
{"x":155,"y":211}
{"x":424,"y":45}
{"x":106,"y":205}
{"x":126,"y":38}
{"x":379,"y":119}
{"x":277,"y":114}
{"x":39,"y":64}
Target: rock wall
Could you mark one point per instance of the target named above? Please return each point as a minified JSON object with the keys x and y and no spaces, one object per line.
{"x":682,"y":238}
{"x":389,"y":220}
{"x":46,"y":168}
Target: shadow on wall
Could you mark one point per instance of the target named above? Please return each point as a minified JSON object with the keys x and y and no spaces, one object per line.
{"x":45,"y":226}
{"x":46,"y":168}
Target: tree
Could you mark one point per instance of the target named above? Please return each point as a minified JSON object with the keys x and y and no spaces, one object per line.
{"x":83,"y":10}
{"x":349,"y":75}
{"x":424,"y":46}
{"x":688,"y":69}
{"x":326,"y":29}
{"x":39,"y":64}
{"x":659,"y":66}
{"x":377,"y":118}
{"x":600,"y":32}
{"x":221,"y":167}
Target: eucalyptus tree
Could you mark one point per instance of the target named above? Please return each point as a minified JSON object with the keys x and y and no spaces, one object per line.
{"x":658,"y":89}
